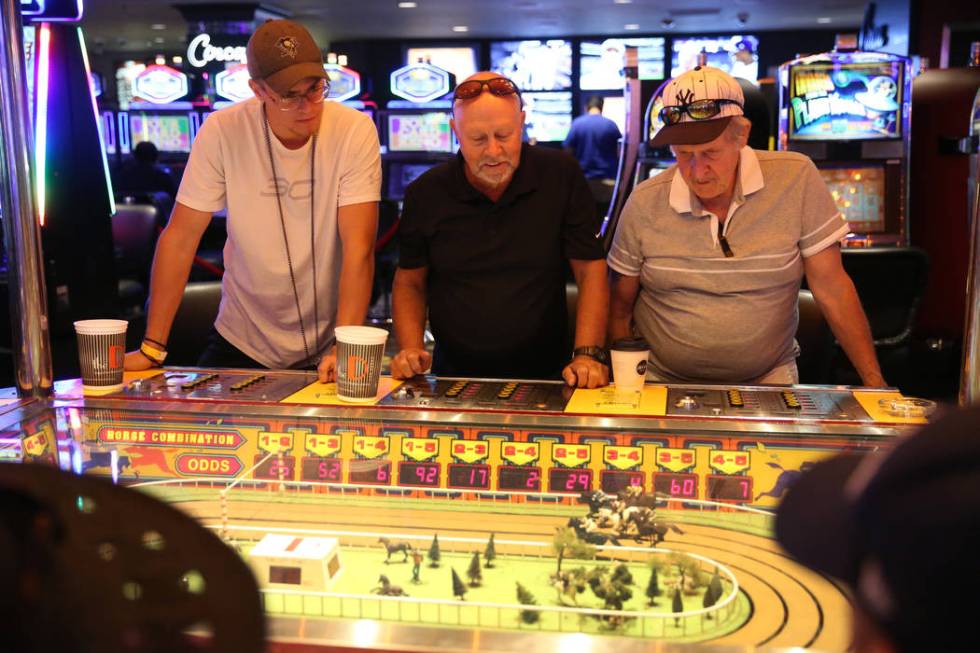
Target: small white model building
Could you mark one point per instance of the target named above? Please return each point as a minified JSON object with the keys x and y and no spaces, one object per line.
{"x":291,"y":562}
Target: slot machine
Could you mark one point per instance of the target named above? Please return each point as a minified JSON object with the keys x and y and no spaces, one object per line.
{"x":849,"y":111}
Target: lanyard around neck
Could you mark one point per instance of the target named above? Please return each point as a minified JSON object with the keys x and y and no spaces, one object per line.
{"x":285,"y":238}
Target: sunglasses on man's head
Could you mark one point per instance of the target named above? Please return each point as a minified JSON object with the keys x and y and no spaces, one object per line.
{"x":499,"y":86}
{"x":697,"y":110}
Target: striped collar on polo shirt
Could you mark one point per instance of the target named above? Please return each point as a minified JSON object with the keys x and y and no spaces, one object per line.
{"x":750,"y":180}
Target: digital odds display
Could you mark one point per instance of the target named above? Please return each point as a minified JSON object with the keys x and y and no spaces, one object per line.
{"x":845,"y":101}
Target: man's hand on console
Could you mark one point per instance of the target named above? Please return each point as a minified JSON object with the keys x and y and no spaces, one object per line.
{"x":326,"y":371}
{"x":585,"y":372}
{"x":135,"y":361}
{"x":409,"y":362}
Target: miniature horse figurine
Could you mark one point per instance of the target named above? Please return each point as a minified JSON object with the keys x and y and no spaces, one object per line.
{"x":403,"y":547}
{"x":387,"y":589}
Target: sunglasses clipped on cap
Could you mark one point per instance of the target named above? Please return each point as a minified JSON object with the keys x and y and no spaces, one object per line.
{"x":499,"y":86}
{"x":697,"y":110}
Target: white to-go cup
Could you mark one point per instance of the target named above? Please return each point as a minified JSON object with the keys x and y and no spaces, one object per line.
{"x":629,"y":363}
{"x":101,"y":353}
{"x":359,"y":353}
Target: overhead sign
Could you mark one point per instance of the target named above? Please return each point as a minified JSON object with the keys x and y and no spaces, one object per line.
{"x":344,"y":82}
{"x":420,"y":82}
{"x":160,"y":84}
{"x":51,"y":10}
{"x":200,"y":52}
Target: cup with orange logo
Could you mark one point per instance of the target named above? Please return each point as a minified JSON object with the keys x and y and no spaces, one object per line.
{"x":359,"y":353}
{"x":101,"y":350}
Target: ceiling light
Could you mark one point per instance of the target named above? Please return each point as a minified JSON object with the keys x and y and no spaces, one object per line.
{"x":407,"y":5}
{"x":159,"y":27}
{"x":159,"y":39}
{"x":623,"y":2}
{"x":823,"y":20}
{"x":460,"y":28}
{"x":160,"y":60}
{"x":177,"y":59}
{"x":631,"y":26}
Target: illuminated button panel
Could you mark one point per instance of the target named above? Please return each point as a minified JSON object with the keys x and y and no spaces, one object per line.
{"x":751,"y":402}
{"x":218,"y":386}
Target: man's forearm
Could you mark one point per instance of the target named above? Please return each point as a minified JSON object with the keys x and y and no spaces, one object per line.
{"x":356,"y":279}
{"x":593,"y":304}
{"x":850,"y":326}
{"x":168,"y":277}
{"x":408,"y":314}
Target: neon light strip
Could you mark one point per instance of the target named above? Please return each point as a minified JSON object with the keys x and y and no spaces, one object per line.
{"x":98,"y":121}
{"x":41,"y":128}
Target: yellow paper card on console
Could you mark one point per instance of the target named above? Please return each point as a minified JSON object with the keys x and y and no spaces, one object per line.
{"x":652,"y":400}
{"x":876,"y":405}
{"x":325,"y":394}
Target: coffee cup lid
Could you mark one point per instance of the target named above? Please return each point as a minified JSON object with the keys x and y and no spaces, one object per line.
{"x":630,"y":344}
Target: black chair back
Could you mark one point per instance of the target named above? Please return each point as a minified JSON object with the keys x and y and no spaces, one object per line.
{"x":890,"y":283}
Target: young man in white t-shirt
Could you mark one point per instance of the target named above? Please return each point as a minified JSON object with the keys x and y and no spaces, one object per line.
{"x":300,"y":179}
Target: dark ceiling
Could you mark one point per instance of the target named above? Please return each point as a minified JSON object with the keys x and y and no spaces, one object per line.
{"x":148,"y":25}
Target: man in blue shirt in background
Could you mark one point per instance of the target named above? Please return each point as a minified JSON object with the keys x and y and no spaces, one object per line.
{"x":594,"y":141}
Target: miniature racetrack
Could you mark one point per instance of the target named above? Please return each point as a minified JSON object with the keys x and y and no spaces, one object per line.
{"x":791,"y":606}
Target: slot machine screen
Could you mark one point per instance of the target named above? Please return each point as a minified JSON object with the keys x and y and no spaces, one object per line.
{"x":614,"y":108}
{"x":30,"y":43}
{"x":460,"y":61}
{"x":534,"y":65}
{"x":837,"y":101}
{"x":401,"y":174}
{"x":168,"y":133}
{"x":548,"y":116}
{"x":602,"y":62}
{"x":419,"y":132}
{"x":737,"y":55}
{"x":860,"y":196}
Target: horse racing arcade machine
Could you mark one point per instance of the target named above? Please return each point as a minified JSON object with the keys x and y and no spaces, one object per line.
{"x":850,"y":113}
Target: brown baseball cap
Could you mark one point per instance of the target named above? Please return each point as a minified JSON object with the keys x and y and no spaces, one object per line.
{"x":281,"y":53}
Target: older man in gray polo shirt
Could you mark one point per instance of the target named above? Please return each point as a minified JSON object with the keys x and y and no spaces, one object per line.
{"x":708,"y":256}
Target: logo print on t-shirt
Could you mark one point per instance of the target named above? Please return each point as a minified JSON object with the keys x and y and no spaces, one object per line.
{"x":296,"y":190}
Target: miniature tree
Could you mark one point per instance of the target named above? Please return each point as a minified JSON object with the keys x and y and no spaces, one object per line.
{"x":524,"y":597}
{"x":653,"y":588}
{"x":566,"y":544}
{"x":621,"y":574}
{"x":459,"y":588}
{"x":490,"y":553}
{"x":677,"y":605}
{"x":474,"y":573}
{"x":613,"y":593}
{"x":709,"y":599}
{"x":715,"y":586}
{"x":434,"y":555}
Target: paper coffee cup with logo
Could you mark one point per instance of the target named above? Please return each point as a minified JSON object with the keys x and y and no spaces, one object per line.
{"x":101,"y":354}
{"x":359,"y":353}
{"x":629,"y":363}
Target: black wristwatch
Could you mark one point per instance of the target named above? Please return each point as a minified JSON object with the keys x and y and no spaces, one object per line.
{"x":596,"y":353}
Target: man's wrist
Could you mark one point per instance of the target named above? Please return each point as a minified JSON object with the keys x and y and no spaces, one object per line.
{"x":595,"y":352}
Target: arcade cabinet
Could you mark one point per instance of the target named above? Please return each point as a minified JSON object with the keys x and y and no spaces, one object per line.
{"x":415,"y":135}
{"x":850,"y":112}
{"x":946,"y":110}
{"x":74,"y":192}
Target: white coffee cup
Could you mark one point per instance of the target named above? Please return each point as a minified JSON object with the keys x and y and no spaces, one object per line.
{"x":360,"y":350}
{"x":629,"y":363}
{"x":101,"y":353}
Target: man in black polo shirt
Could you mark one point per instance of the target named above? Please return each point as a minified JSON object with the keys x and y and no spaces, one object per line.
{"x":484,"y":244}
